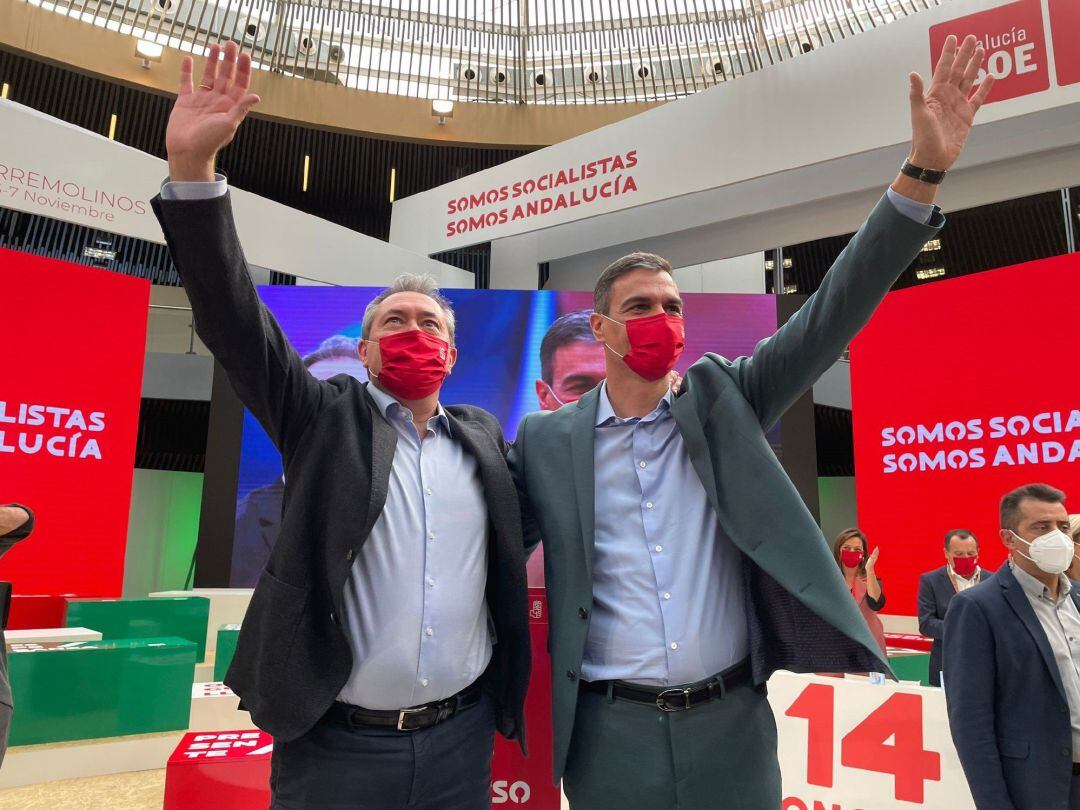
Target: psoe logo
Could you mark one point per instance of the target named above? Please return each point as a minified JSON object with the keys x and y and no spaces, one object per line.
{"x":503,"y":792}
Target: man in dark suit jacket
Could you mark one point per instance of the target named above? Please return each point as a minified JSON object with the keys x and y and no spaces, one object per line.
{"x":387,"y":638}
{"x":16,"y":523}
{"x":937,"y":588}
{"x":1012,"y":665}
{"x":682,"y":566}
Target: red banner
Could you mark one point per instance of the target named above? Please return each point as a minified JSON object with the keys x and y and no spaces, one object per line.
{"x":961,"y":391}
{"x":73,"y":343}
{"x":1015,"y":45}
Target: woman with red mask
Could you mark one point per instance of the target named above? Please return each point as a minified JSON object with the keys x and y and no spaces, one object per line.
{"x":857,"y":565}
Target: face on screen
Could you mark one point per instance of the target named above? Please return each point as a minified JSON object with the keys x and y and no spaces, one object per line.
{"x":577,"y":367}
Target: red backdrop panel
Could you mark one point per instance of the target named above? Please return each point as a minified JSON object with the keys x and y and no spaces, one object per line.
{"x":72,"y":341}
{"x":963,"y":390}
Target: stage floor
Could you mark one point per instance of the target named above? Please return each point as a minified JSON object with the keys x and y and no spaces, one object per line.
{"x":140,"y":790}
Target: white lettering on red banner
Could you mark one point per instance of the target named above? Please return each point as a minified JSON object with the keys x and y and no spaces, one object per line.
{"x":595,"y":180}
{"x":62,"y":432}
{"x":1045,"y":437}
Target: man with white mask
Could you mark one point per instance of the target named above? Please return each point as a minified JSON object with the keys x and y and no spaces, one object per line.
{"x":1012,"y":658}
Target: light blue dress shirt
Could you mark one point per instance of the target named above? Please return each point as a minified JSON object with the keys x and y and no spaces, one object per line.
{"x":415,"y":608}
{"x":668,"y":593}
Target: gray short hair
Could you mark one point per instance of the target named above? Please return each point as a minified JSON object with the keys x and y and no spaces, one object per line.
{"x":1010,"y":504}
{"x":411,"y":282}
{"x":619,"y":268}
{"x":333,"y":348}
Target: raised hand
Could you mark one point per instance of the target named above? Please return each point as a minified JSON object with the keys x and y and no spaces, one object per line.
{"x":871,"y":561}
{"x":204,"y":119}
{"x":941,"y":117}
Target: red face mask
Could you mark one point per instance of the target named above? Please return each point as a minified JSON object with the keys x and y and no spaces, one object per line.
{"x":965,"y":566}
{"x":413,"y":363}
{"x":656,"y":342}
{"x":851,"y":559}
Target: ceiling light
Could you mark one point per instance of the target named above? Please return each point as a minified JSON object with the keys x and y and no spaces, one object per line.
{"x":442,"y":109}
{"x":148,"y":51}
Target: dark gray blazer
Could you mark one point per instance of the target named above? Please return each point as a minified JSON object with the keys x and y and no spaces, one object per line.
{"x":935,"y":593}
{"x":293,"y":658}
{"x":801,"y":614}
{"x":1008,"y":712}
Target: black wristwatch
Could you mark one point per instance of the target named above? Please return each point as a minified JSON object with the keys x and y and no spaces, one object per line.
{"x":925,"y":175}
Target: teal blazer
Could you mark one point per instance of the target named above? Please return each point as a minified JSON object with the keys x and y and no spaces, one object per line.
{"x":801,"y":615}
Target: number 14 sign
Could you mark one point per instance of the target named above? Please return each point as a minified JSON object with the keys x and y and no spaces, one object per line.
{"x":852,"y":745}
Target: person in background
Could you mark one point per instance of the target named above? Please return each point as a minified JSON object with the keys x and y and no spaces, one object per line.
{"x":16,"y":523}
{"x":571,"y":361}
{"x":937,"y":588}
{"x":1012,"y":658}
{"x":258,"y":515}
{"x":1074,"y":531}
{"x":857,"y":564}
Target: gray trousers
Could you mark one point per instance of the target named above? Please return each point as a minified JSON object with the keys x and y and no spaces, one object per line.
{"x":719,"y":756}
{"x":338,"y":766}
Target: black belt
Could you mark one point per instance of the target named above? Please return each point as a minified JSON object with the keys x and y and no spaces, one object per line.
{"x":416,"y":717}
{"x":679,"y":698}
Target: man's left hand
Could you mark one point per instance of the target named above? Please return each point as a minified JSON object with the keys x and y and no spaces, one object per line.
{"x":942,"y":116}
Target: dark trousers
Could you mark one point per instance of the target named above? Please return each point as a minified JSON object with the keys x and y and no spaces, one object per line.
{"x":720,"y":756}
{"x":1074,"y":793}
{"x":337,"y":765}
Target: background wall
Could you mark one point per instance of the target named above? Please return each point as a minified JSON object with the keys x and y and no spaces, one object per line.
{"x":162,"y":530}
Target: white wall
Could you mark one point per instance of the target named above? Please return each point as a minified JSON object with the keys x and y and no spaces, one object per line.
{"x":107,"y":185}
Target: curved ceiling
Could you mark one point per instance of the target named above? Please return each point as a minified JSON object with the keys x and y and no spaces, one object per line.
{"x":512,"y":51}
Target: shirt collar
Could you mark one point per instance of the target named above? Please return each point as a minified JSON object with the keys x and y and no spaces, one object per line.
{"x":1035,"y":589}
{"x":390,"y":408}
{"x":605,"y":413}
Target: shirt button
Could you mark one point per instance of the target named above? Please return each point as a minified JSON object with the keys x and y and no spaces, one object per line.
{"x":431,"y":535}
{"x":642,"y":464}
{"x":674,"y":645}
{"x":583,"y":613}
{"x":429,"y":632}
{"x":430,"y":582}
{"x":571,"y":674}
{"x":659,"y":549}
{"x":667,"y":595}
{"x":423,"y":681}
{"x":648,"y":505}
{"x":428,"y":490}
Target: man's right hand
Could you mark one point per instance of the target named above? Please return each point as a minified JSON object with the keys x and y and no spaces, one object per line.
{"x":204,"y":119}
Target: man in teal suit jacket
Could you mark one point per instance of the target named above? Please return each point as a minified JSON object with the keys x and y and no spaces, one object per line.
{"x":682,"y":566}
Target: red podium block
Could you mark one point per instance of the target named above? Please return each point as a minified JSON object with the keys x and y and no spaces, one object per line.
{"x":908,"y":641}
{"x":37,"y":611}
{"x":232,"y":768}
{"x":220,"y":769}
{"x":526,"y":781}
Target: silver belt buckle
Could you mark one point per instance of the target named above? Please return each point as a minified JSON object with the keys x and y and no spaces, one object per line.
{"x":405,"y":713}
{"x":661,"y":700}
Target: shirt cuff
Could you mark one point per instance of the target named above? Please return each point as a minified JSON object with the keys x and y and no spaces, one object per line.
{"x":912,"y":209}
{"x":194,"y":189}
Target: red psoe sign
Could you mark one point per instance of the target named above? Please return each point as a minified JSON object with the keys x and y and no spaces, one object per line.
{"x":1015,"y":44}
